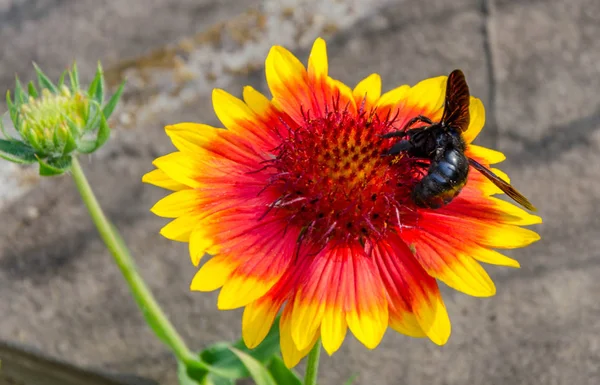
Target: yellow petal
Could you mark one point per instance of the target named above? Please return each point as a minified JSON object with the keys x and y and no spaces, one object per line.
{"x":477,"y":117}
{"x":333,"y":329}
{"x":290,"y":353}
{"x":368,"y":89}
{"x":393,"y":97}
{"x":191,"y":137}
{"x":178,"y":204}
{"x":432,"y":316}
{"x":508,"y":237}
{"x":256,"y":101}
{"x":317,"y":61}
{"x":492,"y":257}
{"x":181,"y":167}
{"x":212,"y":275}
{"x":518,"y":216}
{"x":161,"y":179}
{"x":427,"y":95}
{"x":369,"y":326}
{"x":201,"y":242}
{"x":406,"y":323}
{"x":456,"y":269}
{"x":231,"y":111}
{"x":180,"y":228}
{"x":257,"y":321}
{"x":283,"y":63}
{"x":240,"y":290}
{"x":490,"y":156}
{"x":306,"y":318}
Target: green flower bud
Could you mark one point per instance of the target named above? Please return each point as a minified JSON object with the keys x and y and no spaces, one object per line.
{"x":57,"y":122}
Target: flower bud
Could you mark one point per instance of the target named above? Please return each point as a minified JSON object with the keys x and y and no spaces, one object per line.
{"x":57,"y":122}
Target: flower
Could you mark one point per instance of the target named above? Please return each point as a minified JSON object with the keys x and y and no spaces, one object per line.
{"x":56,"y":122}
{"x":300,"y":211}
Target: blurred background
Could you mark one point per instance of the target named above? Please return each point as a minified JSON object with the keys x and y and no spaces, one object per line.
{"x":534,"y":63}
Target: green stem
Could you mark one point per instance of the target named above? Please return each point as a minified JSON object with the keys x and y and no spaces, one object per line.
{"x":312,"y":365}
{"x":142,"y":294}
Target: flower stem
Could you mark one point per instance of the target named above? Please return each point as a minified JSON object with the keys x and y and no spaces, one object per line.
{"x":312,"y":365}
{"x":151,"y":309}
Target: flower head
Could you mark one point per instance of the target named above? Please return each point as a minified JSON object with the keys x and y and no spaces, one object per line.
{"x":58,"y":121}
{"x":302,"y":213}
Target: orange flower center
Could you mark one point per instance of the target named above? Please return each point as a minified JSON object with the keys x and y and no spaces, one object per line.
{"x":332,"y":181}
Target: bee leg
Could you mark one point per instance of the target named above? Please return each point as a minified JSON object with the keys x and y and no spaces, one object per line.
{"x":402,"y":131}
{"x":419,"y":118}
{"x":398,"y":147}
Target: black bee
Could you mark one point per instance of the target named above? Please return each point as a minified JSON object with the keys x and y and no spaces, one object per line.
{"x":442,"y":144}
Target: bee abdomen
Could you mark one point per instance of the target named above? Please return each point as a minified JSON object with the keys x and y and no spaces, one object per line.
{"x":446,"y":177}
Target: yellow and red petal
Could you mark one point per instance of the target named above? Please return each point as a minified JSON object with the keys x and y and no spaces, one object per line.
{"x":410,"y":287}
{"x":485,"y":233}
{"x":446,"y":259}
{"x":241,"y":120}
{"x":365,"y":300}
{"x":391,"y":260}
{"x":271,"y":248}
{"x":288,"y":81}
{"x":490,"y":209}
{"x":191,"y":137}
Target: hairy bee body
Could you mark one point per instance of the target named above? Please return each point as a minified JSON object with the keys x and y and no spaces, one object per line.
{"x":449,"y":167}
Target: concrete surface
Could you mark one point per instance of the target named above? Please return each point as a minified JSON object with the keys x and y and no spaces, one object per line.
{"x":536,"y":65}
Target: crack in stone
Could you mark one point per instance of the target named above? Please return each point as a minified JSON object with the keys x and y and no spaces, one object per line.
{"x":492,"y":130}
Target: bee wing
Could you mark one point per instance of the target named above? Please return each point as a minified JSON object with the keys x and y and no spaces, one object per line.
{"x":502,"y":185}
{"x":456,"y":104}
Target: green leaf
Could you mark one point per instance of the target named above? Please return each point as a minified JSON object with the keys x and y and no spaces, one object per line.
{"x":212,"y":379}
{"x":258,"y":372}
{"x":55,"y":166}
{"x":112,"y":103}
{"x":61,"y":80}
{"x":221,"y":358}
{"x":31,"y":90}
{"x":20,"y":96}
{"x":70,"y":144}
{"x":74,"y":78}
{"x":185,"y":379}
{"x":96,"y":90}
{"x":17,"y":152}
{"x":87,"y":146}
{"x":43,"y":80}
{"x":282,"y":374}
{"x":103,"y":132}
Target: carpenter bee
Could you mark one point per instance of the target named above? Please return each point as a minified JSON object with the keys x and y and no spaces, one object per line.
{"x":441,"y":143}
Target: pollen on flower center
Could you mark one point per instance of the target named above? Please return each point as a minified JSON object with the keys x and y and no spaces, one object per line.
{"x":332,"y":182}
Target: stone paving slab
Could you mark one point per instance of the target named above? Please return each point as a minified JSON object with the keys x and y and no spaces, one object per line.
{"x":533,"y":63}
